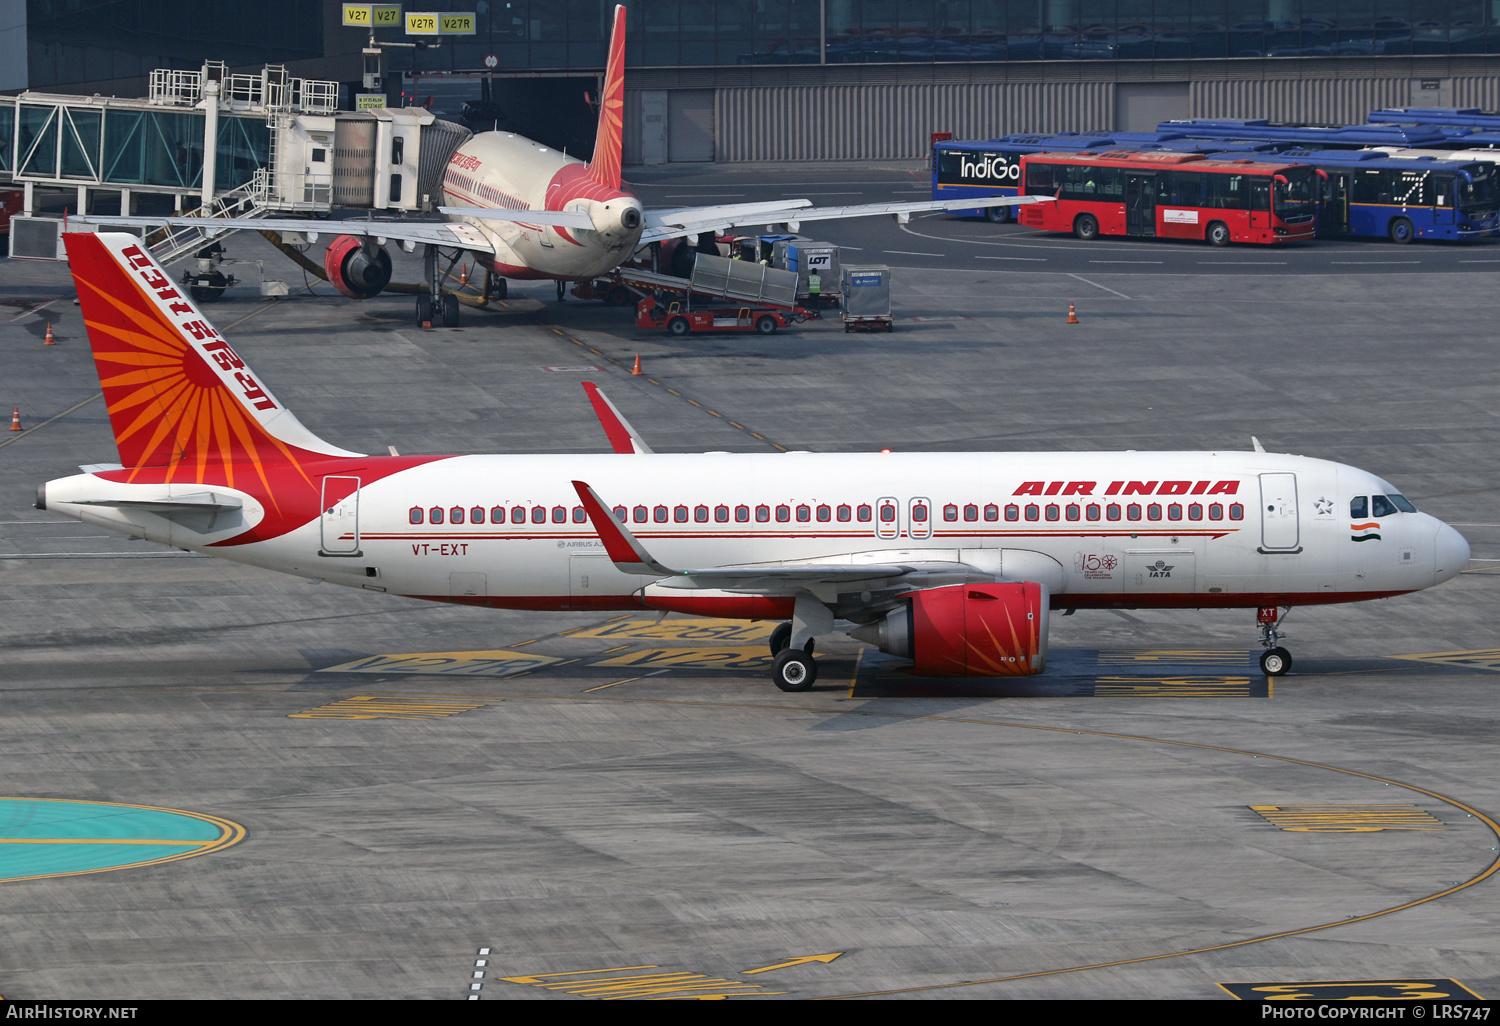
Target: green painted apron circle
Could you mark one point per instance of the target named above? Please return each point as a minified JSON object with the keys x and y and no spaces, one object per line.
{"x":43,"y":837}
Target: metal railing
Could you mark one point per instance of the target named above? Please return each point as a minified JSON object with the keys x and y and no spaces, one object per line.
{"x":172,"y":243}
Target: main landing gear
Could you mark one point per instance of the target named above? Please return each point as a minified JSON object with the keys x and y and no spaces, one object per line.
{"x":792,"y":644}
{"x":1275,"y":660}
{"x":436,"y":307}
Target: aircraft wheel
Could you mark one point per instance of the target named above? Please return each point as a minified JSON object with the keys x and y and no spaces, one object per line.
{"x":450,"y":311}
{"x":678,"y":326}
{"x":765,"y":325}
{"x":562,"y":290}
{"x":499,"y":288}
{"x":780,"y":638}
{"x":1218,"y":234}
{"x":424,"y":310}
{"x":1401,"y":231}
{"x":794,"y":670}
{"x":1275,"y":661}
{"x":1086,"y":227}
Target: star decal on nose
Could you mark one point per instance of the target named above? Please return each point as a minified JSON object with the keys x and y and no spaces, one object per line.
{"x":1324,"y":506}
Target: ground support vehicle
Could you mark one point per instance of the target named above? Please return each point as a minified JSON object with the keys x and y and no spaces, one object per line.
{"x":1173,"y":196}
{"x":802,"y":257}
{"x":992,"y":167}
{"x":1403,"y":196}
{"x":208,"y":282}
{"x":867,"y":297}
{"x":730,"y":295}
{"x":680,"y":318}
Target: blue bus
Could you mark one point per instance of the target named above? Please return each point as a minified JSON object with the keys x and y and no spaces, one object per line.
{"x":992,"y":167}
{"x":1454,"y":117}
{"x":1371,"y":193}
{"x":1311,"y":137}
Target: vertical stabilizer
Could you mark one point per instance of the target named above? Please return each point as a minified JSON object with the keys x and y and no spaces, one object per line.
{"x":178,"y":394}
{"x":605,"y":167}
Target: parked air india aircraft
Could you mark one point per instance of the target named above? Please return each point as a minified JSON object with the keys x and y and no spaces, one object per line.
{"x":952,"y":560}
{"x":523,"y":210}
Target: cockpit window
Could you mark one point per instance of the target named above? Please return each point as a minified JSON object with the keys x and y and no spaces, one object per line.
{"x":1383,"y":506}
{"x":1401,"y":502}
{"x":1359,"y":507}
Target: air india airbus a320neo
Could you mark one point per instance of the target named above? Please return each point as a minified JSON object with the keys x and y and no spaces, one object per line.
{"x":951,"y":560}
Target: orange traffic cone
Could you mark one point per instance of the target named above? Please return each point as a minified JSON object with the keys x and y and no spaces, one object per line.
{"x":463,"y":276}
{"x":1072,"y":314}
{"x":637,"y":372}
{"x":15,"y":420}
{"x":50,"y":341}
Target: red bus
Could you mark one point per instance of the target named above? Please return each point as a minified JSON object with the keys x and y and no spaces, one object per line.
{"x":1170,"y":196}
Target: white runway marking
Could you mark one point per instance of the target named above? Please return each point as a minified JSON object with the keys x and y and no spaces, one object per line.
{"x":1096,"y":285}
{"x":908,"y":252}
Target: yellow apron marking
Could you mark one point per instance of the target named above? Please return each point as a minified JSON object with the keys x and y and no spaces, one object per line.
{"x":495,"y":663}
{"x":1347,"y":819}
{"x":1172,"y":687}
{"x":727,"y":658}
{"x":803,"y":960}
{"x":1352,"y":990}
{"x":680,"y":630}
{"x":102,"y":840}
{"x":1478,"y":658}
{"x":387,"y":707}
{"x":666,"y":985}
{"x":1180,"y":657}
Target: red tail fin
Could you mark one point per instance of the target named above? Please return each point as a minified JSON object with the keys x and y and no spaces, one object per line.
{"x":605,"y":167}
{"x":178,"y":395}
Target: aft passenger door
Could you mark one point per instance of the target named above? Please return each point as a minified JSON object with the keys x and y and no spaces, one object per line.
{"x":339,"y":523}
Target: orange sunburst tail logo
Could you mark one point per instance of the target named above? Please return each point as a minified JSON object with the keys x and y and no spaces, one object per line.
{"x":180,"y":399}
{"x":604,"y":167}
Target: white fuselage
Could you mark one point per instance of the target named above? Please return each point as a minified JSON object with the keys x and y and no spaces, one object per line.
{"x":1100,"y":529}
{"x":508,"y":171}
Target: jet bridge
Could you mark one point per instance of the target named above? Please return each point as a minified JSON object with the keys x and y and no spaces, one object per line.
{"x":279,"y":145}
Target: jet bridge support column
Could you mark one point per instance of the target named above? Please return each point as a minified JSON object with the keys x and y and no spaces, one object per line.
{"x":210,"y":139}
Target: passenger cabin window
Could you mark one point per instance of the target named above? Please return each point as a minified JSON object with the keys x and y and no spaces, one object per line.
{"x":620,"y":514}
{"x":679,"y":514}
{"x":659,"y":514}
{"x":580,"y":515}
{"x":1012,"y":512}
{"x":971,"y":512}
{"x":992,"y":512}
{"x":950,"y":512}
{"x":700,"y":514}
{"x":783,"y":514}
{"x":559,"y":514}
{"x":415,"y":515}
{"x":539,"y":514}
{"x":639,"y":514}
{"x":721,"y":514}
{"x":742,"y":514}
{"x":1033,"y":512}
{"x":476,"y":515}
{"x":435,"y":515}
{"x":862,"y":514}
{"x":804,"y":514}
{"x":844,"y":514}
{"x":825,"y":514}
{"x":887,"y":514}
{"x":1359,"y":507}
{"x":762,"y":514}
{"x":497,"y":515}
{"x":456,"y":515}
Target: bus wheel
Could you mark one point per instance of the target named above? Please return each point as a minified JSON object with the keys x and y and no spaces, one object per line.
{"x":1401,"y":231}
{"x":996,"y":215}
{"x":1218,"y":234}
{"x":1086,"y":227}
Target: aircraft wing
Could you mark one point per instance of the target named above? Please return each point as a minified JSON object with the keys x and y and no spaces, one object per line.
{"x":437,"y":233}
{"x":670,"y":224}
{"x":555,"y":218}
{"x":631,"y":557}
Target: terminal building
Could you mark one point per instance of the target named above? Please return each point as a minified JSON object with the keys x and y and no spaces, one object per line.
{"x":794,"y":80}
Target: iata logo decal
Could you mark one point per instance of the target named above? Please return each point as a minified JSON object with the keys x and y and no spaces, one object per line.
{"x":1365,"y":532}
{"x":1158,"y":569}
{"x":1095,"y":567}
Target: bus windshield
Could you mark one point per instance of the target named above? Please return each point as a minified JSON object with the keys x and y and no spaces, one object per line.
{"x":1481,"y":196}
{"x":1295,"y":196}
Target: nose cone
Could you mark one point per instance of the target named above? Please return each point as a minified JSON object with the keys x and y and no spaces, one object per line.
{"x":1452,"y":553}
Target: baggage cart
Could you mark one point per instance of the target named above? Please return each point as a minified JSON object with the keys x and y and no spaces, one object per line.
{"x":867,"y":298}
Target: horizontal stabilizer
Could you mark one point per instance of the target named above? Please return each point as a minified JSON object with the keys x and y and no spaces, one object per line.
{"x":199,"y":511}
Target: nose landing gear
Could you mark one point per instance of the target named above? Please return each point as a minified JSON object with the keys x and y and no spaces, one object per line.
{"x":1275,"y":660}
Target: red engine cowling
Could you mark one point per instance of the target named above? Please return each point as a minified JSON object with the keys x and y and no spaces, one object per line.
{"x":968,"y":630}
{"x":353,"y":270}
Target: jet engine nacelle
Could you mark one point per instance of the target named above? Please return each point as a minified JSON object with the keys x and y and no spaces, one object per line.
{"x":354,"y":270}
{"x":967,"y":630}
